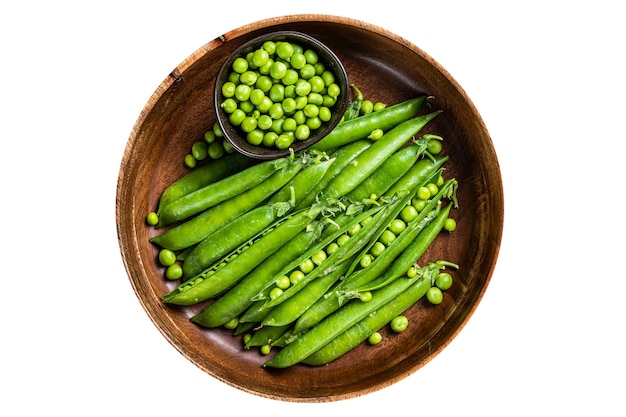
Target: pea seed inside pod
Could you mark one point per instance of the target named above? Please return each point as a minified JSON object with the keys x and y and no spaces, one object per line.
{"x":283,"y":81}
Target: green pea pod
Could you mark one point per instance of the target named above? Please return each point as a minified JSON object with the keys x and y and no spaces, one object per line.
{"x":196,"y":229}
{"x":342,"y":156}
{"x":202,"y":288}
{"x":360,"y":127}
{"x":302,"y":184}
{"x":205,"y":175}
{"x":232,"y":236}
{"x":387,"y":173}
{"x":324,"y":332}
{"x":359,"y":332}
{"x":217,"y":192}
{"x":424,"y":171}
{"x":374,"y":156}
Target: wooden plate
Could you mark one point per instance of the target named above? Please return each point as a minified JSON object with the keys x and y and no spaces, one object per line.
{"x":386,"y":68}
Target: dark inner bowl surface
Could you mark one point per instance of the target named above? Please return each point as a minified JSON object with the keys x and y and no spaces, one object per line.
{"x":386,"y":68}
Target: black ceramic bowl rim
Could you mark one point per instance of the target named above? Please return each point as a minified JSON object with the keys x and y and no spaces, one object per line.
{"x":332,"y":63}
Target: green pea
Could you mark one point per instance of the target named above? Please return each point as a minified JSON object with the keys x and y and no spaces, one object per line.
{"x":319,"y":257}
{"x":270,"y":47}
{"x":366,"y":107}
{"x":397,"y":226}
{"x":232,"y":323}
{"x":229,"y":105}
{"x":376,"y":134}
{"x":434,"y":295}
{"x":296,"y":276}
{"x":408,"y":213}
{"x":283,"y":282}
{"x":265,"y":105}
{"x":248,"y":78}
{"x":264,"y":122}
{"x":331,"y":248}
{"x":419,"y":204}
{"x":315,"y":98}
{"x":317,"y":84}
{"x":242,"y":92}
{"x":333,"y":90}
{"x":255,"y":137}
{"x":450,"y":225}
{"x":228,"y":89}
{"x":378,"y":248}
{"x":303,"y":87}
{"x":298,"y":60}
{"x":209,"y":137}
{"x":284,"y":50}
{"x":311,"y":56}
{"x":199,"y":150}
{"x":216,"y":150}
{"x":260,"y":57}
{"x":275,"y":293}
{"x":365,"y":296}
{"x":307,"y":265}
{"x":284,"y":141}
{"x":387,"y":237}
{"x":240,"y":65}
{"x":248,"y":124}
{"x":432,"y":187}
{"x":314,"y":122}
{"x":399,"y":324}
{"x":311,"y":110}
{"x":290,"y":77}
{"x":290,"y":90}
{"x":303,"y":132}
{"x":289,"y":125}
{"x":278,"y":70}
{"x":423,"y":193}
{"x":269,"y":139}
{"x":264,"y":83}
{"x":174,"y":272}
{"x":266,"y":349}
{"x":237,"y":117}
{"x":378,"y":106}
{"x":366,"y":260}
{"x":375,"y":338}
{"x":325,"y":114}
{"x":190,"y":161}
{"x":152,"y":218}
{"x":328,"y":77}
{"x":307,"y":71}
{"x":289,"y":105}
{"x":277,"y":93}
{"x":443,"y":281}
{"x":276,"y":111}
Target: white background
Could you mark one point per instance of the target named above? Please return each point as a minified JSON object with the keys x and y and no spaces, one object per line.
{"x":548,"y":80}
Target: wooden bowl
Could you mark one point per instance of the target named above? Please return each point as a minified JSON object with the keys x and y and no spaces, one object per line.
{"x":237,"y":137}
{"x":386,"y":68}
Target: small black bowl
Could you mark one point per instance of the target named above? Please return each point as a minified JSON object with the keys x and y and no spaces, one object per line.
{"x":237,"y":138}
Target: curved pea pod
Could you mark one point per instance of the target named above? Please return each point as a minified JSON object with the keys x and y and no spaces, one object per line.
{"x":332,"y":326}
{"x":370,"y":159}
{"x":388,"y":173}
{"x":359,"y":332}
{"x":205,"y":175}
{"x":232,"y":236}
{"x":202,"y":288}
{"x":303,"y":183}
{"x":360,"y":127}
{"x":199,"y":227}
{"x":342,"y":156}
{"x":217,"y":192}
